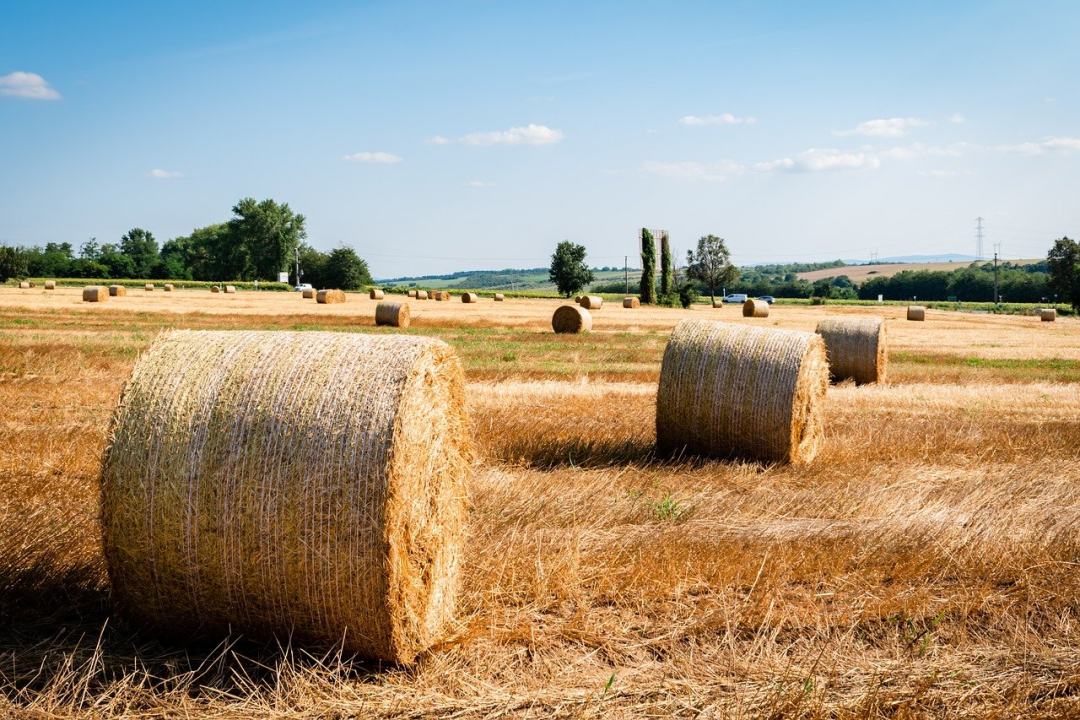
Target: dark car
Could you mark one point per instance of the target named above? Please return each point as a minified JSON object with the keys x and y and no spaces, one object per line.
{"x":768,"y":298}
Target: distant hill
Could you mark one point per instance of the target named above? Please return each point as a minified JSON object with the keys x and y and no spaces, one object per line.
{"x":887,"y":268}
{"x":535,"y":279}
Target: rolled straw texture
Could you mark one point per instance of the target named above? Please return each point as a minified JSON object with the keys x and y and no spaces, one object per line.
{"x":571,"y":319}
{"x":755,"y":308}
{"x":117,"y":290}
{"x":393,"y":314}
{"x":329,"y":297}
{"x":856,"y":348}
{"x":631,"y":302}
{"x":308,"y":294}
{"x":376,"y":294}
{"x":730,"y":390}
{"x":916,"y":312}
{"x":499,"y":297}
{"x":95,"y":293}
{"x":591,"y":302}
{"x":50,"y":284}
{"x":305,"y":486}
{"x":469,"y":297}
{"x":1048,"y":314}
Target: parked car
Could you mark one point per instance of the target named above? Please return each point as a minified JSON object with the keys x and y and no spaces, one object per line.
{"x":736,"y":298}
{"x":767,"y":298}
{"x":303,"y":286}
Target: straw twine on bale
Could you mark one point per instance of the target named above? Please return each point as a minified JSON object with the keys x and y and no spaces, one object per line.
{"x":308,"y":486}
{"x":95,"y":293}
{"x":50,"y":284}
{"x":329,"y":297}
{"x":421,"y":295}
{"x":148,"y":287}
{"x":1047,"y":314}
{"x":25,"y":285}
{"x":499,"y":297}
{"x":631,"y":302}
{"x":230,"y":289}
{"x":916,"y":312}
{"x":591,"y":302}
{"x":755,"y":308}
{"x":571,"y":319}
{"x":393,"y":314}
{"x":376,"y":294}
{"x":309,"y":294}
{"x":117,"y":290}
{"x":855,"y":347}
{"x":730,"y":390}
{"x":469,"y":297}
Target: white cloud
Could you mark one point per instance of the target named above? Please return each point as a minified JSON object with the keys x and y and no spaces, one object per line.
{"x":918,"y":150}
{"x":819,"y":159}
{"x":159,"y":174}
{"x":944,"y":173}
{"x":478,"y":184}
{"x":531,"y":134}
{"x":957,"y":119}
{"x":722,"y":119}
{"x":28,"y":85}
{"x":440,"y":140}
{"x":690,"y":170}
{"x":1051,"y":144}
{"x":885,"y":127}
{"x":380,"y":158}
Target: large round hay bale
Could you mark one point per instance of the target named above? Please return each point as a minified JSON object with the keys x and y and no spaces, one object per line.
{"x":571,"y":319}
{"x":412,"y":293}
{"x":421,"y":295}
{"x":117,"y":290}
{"x":631,"y":302}
{"x":499,"y":297}
{"x":578,"y":299}
{"x":230,"y":289}
{"x":393,"y":314}
{"x":754,"y":308}
{"x":916,"y":312}
{"x":591,"y":302}
{"x":469,"y":297}
{"x":855,"y":347}
{"x":308,"y":293}
{"x":329,"y":297}
{"x":23,"y":285}
{"x":50,"y":284}
{"x":1047,"y":314}
{"x":215,"y":289}
{"x":148,"y":287}
{"x":376,"y":294}
{"x":168,"y":287}
{"x":730,"y":390}
{"x":300,"y":485}
{"x":95,"y":293}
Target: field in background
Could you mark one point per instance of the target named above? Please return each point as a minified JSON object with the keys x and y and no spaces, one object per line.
{"x":928,"y":565}
{"x":861,"y":273}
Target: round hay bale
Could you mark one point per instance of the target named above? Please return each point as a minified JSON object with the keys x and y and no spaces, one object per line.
{"x":230,"y":289}
{"x":117,"y":290}
{"x":499,"y":297}
{"x":376,"y":294}
{"x":421,"y":295}
{"x":95,"y":293}
{"x":469,"y":297}
{"x":393,"y":314}
{"x":631,"y":302}
{"x":855,"y":347}
{"x":571,"y":319}
{"x":309,"y":293}
{"x":730,"y":390}
{"x":168,"y":287}
{"x":50,"y":284}
{"x":1047,"y":314}
{"x":148,"y":287}
{"x":329,"y":297}
{"x":299,"y":485}
{"x":916,"y":312}
{"x":753,"y":308}
{"x":24,"y":285}
{"x":717,"y":303}
{"x":591,"y":302}
{"x":215,"y":289}
{"x":578,"y":299}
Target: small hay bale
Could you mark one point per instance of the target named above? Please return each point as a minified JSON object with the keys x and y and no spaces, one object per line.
{"x":571,"y":319}
{"x":753,"y":308}
{"x":469,"y":297}
{"x":591,"y":302}
{"x":631,"y":302}
{"x":148,"y":287}
{"x":50,"y":284}
{"x":855,"y":347}
{"x":376,"y":294}
{"x":117,"y":290}
{"x":717,"y":303}
{"x":168,"y":287}
{"x":308,"y":294}
{"x":421,"y":295}
{"x":729,"y":390}
{"x":412,"y":293}
{"x":499,"y":297}
{"x":437,"y":295}
{"x":392,"y":313}
{"x":24,"y":285}
{"x":578,"y":299}
{"x":215,"y":289}
{"x":330,"y":297}
{"x":303,"y":485}
{"x":95,"y":293}
{"x":230,"y":289}
{"x":1047,"y":314}
{"x":916,"y":312}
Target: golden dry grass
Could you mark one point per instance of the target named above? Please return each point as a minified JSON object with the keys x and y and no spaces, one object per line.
{"x":926,"y":565}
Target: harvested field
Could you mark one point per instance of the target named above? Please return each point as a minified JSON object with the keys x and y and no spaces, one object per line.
{"x":924,"y":565}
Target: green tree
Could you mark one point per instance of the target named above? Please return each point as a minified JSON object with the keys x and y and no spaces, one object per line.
{"x":568,"y":269}
{"x":1063,"y":266}
{"x":208,"y":253}
{"x":648,"y":267}
{"x":345,"y":270}
{"x":312,"y":266}
{"x":142,"y":248}
{"x":268,"y":234}
{"x":667,"y":267}
{"x":12,"y":263}
{"x":711,"y":264}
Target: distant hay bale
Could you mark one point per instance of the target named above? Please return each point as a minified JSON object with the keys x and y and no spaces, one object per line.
{"x":117,"y":290}
{"x":631,"y":302}
{"x":438,"y":295}
{"x":393,"y":314}
{"x":412,"y":293}
{"x":24,"y":285}
{"x":578,"y":299}
{"x":855,"y":347}
{"x":421,"y":295}
{"x":469,"y":297}
{"x":309,"y":293}
{"x":95,"y":293}
{"x":330,"y":297}
{"x":148,"y":287}
{"x":230,"y":289}
{"x":304,"y":486}
{"x":717,"y":303}
{"x":916,"y":312}
{"x":215,"y":289}
{"x":755,"y":308}
{"x":50,"y":284}
{"x":1047,"y":314}
{"x":591,"y":302}
{"x":376,"y":294}
{"x":571,"y":319}
{"x":730,"y":390}
{"x":168,"y":287}
{"x":499,"y":297}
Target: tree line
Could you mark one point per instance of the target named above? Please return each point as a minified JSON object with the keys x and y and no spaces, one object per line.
{"x":259,"y":241}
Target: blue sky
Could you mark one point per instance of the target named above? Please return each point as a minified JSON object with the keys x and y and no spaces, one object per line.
{"x":452,"y":135}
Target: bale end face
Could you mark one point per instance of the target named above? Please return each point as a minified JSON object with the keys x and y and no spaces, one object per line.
{"x":631,"y":302}
{"x":215,"y":289}
{"x":392,"y":314}
{"x":571,"y":319}
{"x":95,"y":293}
{"x":376,"y":294}
{"x":117,"y":290}
{"x":916,"y":313}
{"x":1048,"y":314}
{"x":753,"y":308}
{"x":855,"y":347}
{"x":330,"y":297}
{"x":469,"y":297}
{"x":591,"y":302}
{"x":421,"y":295}
{"x":25,"y":285}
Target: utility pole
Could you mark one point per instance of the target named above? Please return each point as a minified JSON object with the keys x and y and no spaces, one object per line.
{"x":997,"y":246}
{"x":626,"y":272}
{"x":978,"y":239}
